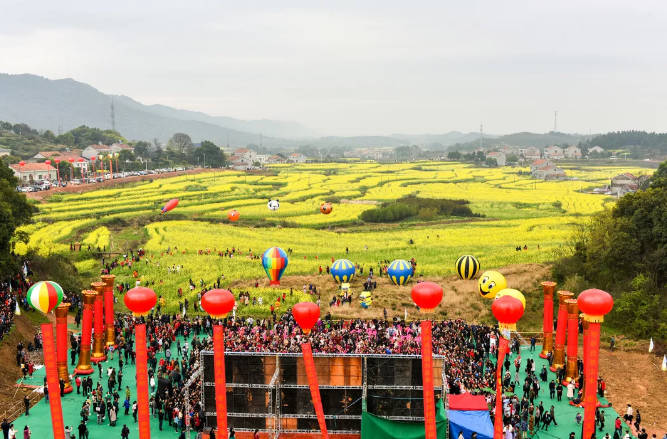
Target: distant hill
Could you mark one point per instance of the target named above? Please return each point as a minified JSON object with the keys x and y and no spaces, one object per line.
{"x":445,"y":139}
{"x":47,"y":104}
{"x":523,"y":140}
{"x":359,"y":142}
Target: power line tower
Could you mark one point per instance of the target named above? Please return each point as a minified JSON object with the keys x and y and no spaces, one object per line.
{"x":60,"y":128}
{"x":228,"y":139}
{"x":113,"y":115}
{"x":555,"y":121}
{"x":260,"y":140}
{"x":481,"y":135}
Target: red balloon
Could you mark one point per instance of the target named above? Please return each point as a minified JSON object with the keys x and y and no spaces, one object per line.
{"x":427,"y":295}
{"x":306,"y":315}
{"x":48,"y":162}
{"x":217,"y":303}
{"x":57,"y":161}
{"x":233,"y":215}
{"x":81,"y":159}
{"x":507,"y":309}
{"x":93,"y":158}
{"x":170,"y":205}
{"x":21,"y":163}
{"x":70,"y":160}
{"x":595,"y":304}
{"x":140,"y":300}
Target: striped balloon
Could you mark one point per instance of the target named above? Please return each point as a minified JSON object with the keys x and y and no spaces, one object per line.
{"x":274,"y":261}
{"x":400,"y":272}
{"x":45,"y":296}
{"x":343,"y":270}
{"x":467,"y":266}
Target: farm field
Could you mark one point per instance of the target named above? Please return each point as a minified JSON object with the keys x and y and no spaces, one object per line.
{"x":516,"y":211}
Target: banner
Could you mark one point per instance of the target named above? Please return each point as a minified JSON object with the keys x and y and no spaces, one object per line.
{"x":591,"y":378}
{"x":108,"y":313}
{"x":220,"y":384}
{"x":311,"y":373}
{"x":142,"y":382}
{"x":427,"y":378}
{"x":52,"y":381}
{"x":503,"y":348}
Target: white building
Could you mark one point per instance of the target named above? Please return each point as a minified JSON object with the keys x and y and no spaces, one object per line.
{"x":262,"y":158}
{"x":4,"y":151}
{"x":118,"y":147}
{"x":96,"y":150}
{"x":553,"y":152}
{"x":596,"y":149}
{"x":247,"y":154}
{"x":572,"y":152}
{"x":34,"y":171}
{"x":531,"y":153}
{"x":297,"y":157}
{"x":500,"y":157}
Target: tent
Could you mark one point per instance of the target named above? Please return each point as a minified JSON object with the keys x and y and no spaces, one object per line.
{"x":373,"y":427}
{"x":469,"y":413}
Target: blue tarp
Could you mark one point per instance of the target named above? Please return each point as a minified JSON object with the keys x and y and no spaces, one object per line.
{"x":469,"y":421}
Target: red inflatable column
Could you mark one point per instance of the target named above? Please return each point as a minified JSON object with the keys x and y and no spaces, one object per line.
{"x":561,"y":330}
{"x":503,"y":348}
{"x":595,"y":304}
{"x":109,"y":330}
{"x":84,"y":366}
{"x":572,"y":368}
{"x":142,"y":382}
{"x":62,"y":345}
{"x":57,"y":421}
{"x":220,"y":379}
{"x":584,"y":323}
{"x":548,"y":322}
{"x":98,"y":353}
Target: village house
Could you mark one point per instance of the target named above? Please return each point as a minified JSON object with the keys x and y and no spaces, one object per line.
{"x":34,"y":172}
{"x":554,"y":152}
{"x":297,"y":157}
{"x":572,"y":152}
{"x":262,"y":158}
{"x":510,"y":150}
{"x":96,"y":150}
{"x":537,"y":164}
{"x":550,"y":173}
{"x":247,"y":154}
{"x":4,"y":151}
{"x":118,"y":147}
{"x":596,"y":149}
{"x":627,"y":183}
{"x":275,"y":159}
{"x":499,"y":156}
{"x":531,"y":153}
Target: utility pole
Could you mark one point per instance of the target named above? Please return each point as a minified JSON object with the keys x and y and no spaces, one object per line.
{"x":113,"y":115}
{"x":555,"y":121}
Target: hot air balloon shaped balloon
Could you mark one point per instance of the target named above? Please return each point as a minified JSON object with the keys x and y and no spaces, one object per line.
{"x":233,"y":215}
{"x":170,"y":205}
{"x":306,"y":315}
{"x":326,"y":208}
{"x":400,"y":272}
{"x":511,"y":292}
{"x":467,"y":266}
{"x":273,"y":205}
{"x":343,"y":270}
{"x":45,"y":296}
{"x":274,"y":261}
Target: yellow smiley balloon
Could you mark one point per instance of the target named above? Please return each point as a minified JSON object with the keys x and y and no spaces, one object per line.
{"x":490,"y":283}
{"x":514,"y":293}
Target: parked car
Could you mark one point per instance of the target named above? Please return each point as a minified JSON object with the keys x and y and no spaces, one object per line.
{"x":75,"y":182}
{"x":35,"y":188}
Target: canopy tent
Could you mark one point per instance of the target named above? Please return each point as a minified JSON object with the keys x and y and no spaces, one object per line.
{"x":373,"y":427}
{"x":469,"y":413}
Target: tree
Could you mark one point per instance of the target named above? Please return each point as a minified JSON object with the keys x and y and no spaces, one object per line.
{"x":141,"y":149}
{"x":125,"y":156}
{"x":512,"y":158}
{"x":14,"y":212}
{"x":65,"y":139}
{"x":209,"y":153}
{"x":454,"y":155}
{"x":180,"y":142}
{"x":491,"y":162}
{"x":49,"y":136}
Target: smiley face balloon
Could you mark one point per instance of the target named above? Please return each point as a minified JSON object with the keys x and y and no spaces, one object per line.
{"x":490,"y":283}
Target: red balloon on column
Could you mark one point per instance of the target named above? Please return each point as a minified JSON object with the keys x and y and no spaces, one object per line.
{"x":427,"y":295}
{"x":218,"y":303}
{"x":140,"y":301}
{"x":306,"y":315}
{"x":594,"y":304}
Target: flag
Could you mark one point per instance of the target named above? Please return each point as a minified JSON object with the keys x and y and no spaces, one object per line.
{"x":183,"y":310}
{"x":18,"y":310}
{"x":664,"y":363}
{"x":406,"y":315}
{"x":650,"y":346}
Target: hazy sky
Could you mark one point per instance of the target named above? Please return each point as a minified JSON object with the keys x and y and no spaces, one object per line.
{"x":344,"y":68}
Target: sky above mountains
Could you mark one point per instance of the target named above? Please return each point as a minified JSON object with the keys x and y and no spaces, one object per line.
{"x":347,"y":68}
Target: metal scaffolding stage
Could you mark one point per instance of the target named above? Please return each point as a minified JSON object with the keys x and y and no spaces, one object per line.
{"x":270,"y":392}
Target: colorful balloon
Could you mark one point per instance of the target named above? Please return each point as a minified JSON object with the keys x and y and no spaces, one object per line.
{"x":513,"y":293}
{"x":233,"y":215}
{"x":273,"y":205}
{"x":326,"y":208}
{"x":467,"y":266}
{"x":400,"y":272}
{"x":343,"y":270}
{"x":45,"y":296}
{"x":490,"y":283}
{"x":274,"y":261}
{"x":170,"y":205}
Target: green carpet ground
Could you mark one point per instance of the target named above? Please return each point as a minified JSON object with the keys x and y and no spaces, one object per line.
{"x":41,"y":428}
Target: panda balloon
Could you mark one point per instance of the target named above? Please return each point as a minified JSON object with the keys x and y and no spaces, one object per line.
{"x":273,"y":205}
